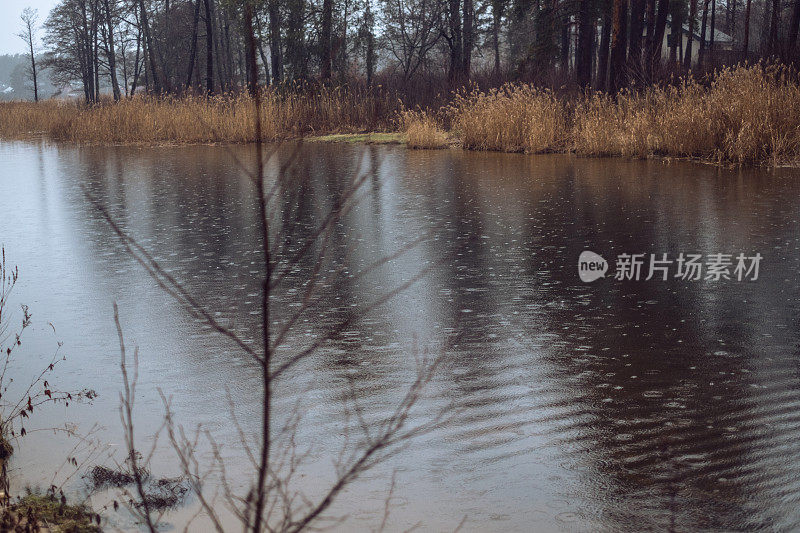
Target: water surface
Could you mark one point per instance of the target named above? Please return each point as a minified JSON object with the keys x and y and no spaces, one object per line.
{"x":611,"y":405}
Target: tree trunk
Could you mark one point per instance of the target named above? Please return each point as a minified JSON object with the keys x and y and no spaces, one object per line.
{"x":636,"y":31}
{"x":583,"y":58}
{"x":260,"y":44}
{"x":602,"y":57}
{"x":564,"y":47}
{"x":658,"y":38}
{"x":675,"y":37}
{"x":193,"y":49}
{"x":325,"y":39}
{"x":230,"y":70}
{"x":618,"y":45}
{"x":276,"y":57}
{"x":148,"y":44}
{"x":87,"y":76}
{"x":469,"y":37}
{"x":370,"y":52}
{"x":455,"y":43}
{"x":650,"y":19}
{"x":703,"y":28}
{"x":794,"y":23}
{"x":765,"y":27}
{"x":746,"y":42}
{"x":96,"y":49}
{"x":295,"y":39}
{"x":33,"y":65}
{"x":713,"y":32}
{"x":687,"y":60}
{"x":252,"y":67}
{"x":136,"y":62}
{"x":111,"y":51}
{"x":209,"y":47}
{"x":773,"y":28}
{"x":497,"y":16}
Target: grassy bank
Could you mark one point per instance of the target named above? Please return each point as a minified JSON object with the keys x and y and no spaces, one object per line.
{"x":745,"y":116}
{"x":224,"y":118}
{"x":38,"y":512}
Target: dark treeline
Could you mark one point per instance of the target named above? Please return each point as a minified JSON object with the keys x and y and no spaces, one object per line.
{"x":180,"y":46}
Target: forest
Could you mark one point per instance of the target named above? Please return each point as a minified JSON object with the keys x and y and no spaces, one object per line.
{"x":180,"y":46}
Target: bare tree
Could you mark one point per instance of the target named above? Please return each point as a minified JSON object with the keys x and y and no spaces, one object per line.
{"x":269,"y":503}
{"x":28,"y":34}
{"x":107,"y":33}
{"x":412,"y":31}
{"x":19,"y":398}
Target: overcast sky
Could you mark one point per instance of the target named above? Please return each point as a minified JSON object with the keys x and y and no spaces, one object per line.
{"x":10,"y":23}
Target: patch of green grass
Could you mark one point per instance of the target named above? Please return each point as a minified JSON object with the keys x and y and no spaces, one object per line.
{"x":360,"y":138}
{"x":50,"y":512}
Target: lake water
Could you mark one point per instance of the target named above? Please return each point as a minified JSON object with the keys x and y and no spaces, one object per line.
{"x":645,"y":404}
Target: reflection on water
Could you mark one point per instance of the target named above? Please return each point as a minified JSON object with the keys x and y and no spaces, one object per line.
{"x":658,"y":404}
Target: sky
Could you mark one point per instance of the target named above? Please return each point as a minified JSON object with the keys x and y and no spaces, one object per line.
{"x":10,"y":23}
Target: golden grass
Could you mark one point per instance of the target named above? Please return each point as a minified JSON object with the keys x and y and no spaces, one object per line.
{"x":513,"y":118}
{"x":746,"y":115}
{"x":422,"y":131}
{"x":227,"y":118}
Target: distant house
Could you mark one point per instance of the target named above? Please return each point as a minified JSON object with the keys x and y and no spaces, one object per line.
{"x":723,"y":43}
{"x":68,"y":91}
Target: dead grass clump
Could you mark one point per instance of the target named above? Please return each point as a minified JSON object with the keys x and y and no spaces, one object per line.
{"x":166,"y":493}
{"x":422,"y":131}
{"x":513,"y":118}
{"x":624,"y":125}
{"x":101,"y":476}
{"x":744,"y":116}
{"x":162,"y":493}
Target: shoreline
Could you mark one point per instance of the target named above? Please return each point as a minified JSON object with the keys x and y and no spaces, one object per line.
{"x":398,"y":139}
{"x":745,"y":117}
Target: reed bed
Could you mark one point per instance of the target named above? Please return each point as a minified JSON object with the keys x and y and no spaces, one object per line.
{"x":744,"y":116}
{"x":513,"y":118}
{"x":422,"y":131}
{"x":192,"y":119}
{"x":748,"y":115}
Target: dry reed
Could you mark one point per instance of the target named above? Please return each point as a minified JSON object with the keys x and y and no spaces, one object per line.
{"x":224,"y":118}
{"x":422,"y":131}
{"x":513,"y":118}
{"x":746,"y":115}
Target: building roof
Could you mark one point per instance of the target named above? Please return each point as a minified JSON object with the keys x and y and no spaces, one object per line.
{"x":719,"y":37}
